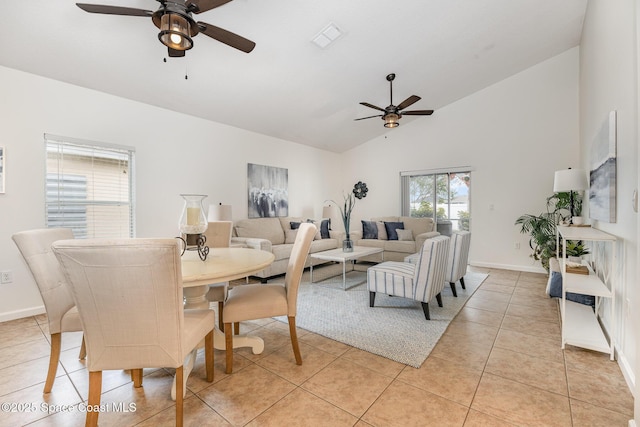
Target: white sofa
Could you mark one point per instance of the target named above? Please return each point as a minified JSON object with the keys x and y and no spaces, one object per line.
{"x":276,"y":235}
{"x":416,"y":231}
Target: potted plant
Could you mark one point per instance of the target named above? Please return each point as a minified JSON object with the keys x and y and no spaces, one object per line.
{"x":359,"y":192}
{"x":542,"y":228}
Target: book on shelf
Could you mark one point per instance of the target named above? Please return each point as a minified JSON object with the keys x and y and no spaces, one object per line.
{"x":580,"y":269}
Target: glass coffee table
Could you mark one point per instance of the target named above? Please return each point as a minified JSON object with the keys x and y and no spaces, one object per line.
{"x":338,"y":255}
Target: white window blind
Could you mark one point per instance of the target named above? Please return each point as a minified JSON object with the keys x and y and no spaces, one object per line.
{"x":89,"y":187}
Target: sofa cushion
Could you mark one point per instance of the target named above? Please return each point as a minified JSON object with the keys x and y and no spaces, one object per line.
{"x":282,"y":251}
{"x":262,"y":228}
{"x":369,"y":230}
{"x":391,"y":227}
{"x":407,"y":247}
{"x":290,"y":235}
{"x":323,"y":245}
{"x":405,"y":235}
{"x":382,"y":231}
{"x":417,"y":225}
{"x":371,"y":243}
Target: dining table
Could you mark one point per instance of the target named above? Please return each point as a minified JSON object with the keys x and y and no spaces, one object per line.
{"x":221,"y":265}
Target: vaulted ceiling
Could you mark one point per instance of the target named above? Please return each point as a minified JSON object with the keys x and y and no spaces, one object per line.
{"x":288,"y":87}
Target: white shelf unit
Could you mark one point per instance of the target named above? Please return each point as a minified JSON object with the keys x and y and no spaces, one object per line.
{"x":581,"y":326}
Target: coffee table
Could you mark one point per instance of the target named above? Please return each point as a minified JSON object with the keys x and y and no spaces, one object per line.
{"x":338,"y":255}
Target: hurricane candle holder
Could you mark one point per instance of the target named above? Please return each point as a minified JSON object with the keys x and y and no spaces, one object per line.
{"x":193,"y":222}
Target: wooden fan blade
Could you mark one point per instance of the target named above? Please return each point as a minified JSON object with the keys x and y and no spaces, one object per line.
{"x":113,"y":10}
{"x":370,"y":117}
{"x":199,"y":6}
{"x":417,"y":113}
{"x":366,"y":104}
{"x":174,"y":53}
{"x":409,"y":101}
{"x":227,"y":37}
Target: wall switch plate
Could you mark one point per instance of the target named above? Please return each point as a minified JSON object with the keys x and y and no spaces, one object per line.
{"x":6,"y":277}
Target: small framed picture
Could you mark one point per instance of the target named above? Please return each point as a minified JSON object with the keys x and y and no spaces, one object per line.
{"x":2,"y":169}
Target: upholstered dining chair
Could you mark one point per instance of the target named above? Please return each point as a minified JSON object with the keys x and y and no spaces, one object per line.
{"x":457,"y":260}
{"x":259,"y":301}
{"x":420,"y":281}
{"x":129,"y":296}
{"x":218,"y":235}
{"x":62,"y":315}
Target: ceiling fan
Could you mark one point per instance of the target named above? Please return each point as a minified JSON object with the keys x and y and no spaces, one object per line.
{"x":176,"y":24}
{"x":392,"y":114}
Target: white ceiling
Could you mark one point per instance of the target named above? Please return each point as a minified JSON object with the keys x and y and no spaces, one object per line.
{"x":440,"y":50}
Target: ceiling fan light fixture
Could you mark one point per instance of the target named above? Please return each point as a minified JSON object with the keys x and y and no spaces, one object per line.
{"x":175,"y":32}
{"x":391,"y":120}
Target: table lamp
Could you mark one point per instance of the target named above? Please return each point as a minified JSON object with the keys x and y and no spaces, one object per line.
{"x":219,"y":212}
{"x":570,"y":180}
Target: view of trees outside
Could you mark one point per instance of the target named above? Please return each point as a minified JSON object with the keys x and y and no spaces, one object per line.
{"x":448,"y":193}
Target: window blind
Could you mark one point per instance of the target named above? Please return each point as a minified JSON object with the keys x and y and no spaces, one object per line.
{"x":89,"y":187}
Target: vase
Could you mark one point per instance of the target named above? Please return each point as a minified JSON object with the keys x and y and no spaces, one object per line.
{"x":347,"y":245}
{"x":193,"y":220}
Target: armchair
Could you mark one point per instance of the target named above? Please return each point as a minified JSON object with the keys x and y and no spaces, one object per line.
{"x":420,"y":281}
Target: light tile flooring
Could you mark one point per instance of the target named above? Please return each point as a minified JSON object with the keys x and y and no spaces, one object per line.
{"x":498,"y":364}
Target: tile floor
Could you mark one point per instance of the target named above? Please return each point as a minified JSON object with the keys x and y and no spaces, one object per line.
{"x":498,"y":364}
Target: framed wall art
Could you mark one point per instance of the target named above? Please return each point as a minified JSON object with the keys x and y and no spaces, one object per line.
{"x":268,"y":191}
{"x":602,"y":174}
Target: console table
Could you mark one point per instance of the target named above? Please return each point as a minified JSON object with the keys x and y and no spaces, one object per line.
{"x":581,"y":325}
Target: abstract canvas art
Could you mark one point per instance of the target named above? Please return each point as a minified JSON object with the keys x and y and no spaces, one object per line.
{"x":602,"y":175}
{"x":268,"y":191}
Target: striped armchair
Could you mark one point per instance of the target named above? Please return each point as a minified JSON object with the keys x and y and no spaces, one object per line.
{"x":457,"y":261}
{"x":420,"y":281}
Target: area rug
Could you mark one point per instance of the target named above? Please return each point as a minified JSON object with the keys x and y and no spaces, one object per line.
{"x":395,"y":328}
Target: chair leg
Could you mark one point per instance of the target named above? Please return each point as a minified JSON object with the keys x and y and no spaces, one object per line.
{"x":462,"y":282}
{"x":439,"y":299}
{"x":220,"y":318}
{"x":95,"y":389}
{"x":179,"y":396}
{"x":372,"y":298}
{"x":208,"y":355}
{"x":228,"y":346}
{"x":83,"y":350}
{"x":453,"y":289}
{"x":236,"y":328}
{"x":136,"y":377}
{"x":294,"y":340}
{"x":54,"y":358}
{"x":425,"y":309}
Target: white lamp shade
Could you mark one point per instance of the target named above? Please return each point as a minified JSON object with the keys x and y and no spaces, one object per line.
{"x":219,"y":212}
{"x":570,"y":180}
{"x":327,"y":211}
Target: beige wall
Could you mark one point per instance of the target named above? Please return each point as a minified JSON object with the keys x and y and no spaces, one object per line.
{"x":608,"y":81}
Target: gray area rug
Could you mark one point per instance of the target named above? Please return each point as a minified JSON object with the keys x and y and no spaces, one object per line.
{"x":395,"y":328}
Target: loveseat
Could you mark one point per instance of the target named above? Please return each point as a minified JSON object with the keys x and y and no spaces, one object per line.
{"x":276,"y":235}
{"x":383,"y":233}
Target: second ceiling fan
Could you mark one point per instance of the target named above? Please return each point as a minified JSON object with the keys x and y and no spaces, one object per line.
{"x":392,"y":114}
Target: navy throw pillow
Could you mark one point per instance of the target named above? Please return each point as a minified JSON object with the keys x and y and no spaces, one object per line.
{"x":325,"y":226}
{"x":369,"y":230}
{"x":391,"y":229}
{"x":294,"y":225}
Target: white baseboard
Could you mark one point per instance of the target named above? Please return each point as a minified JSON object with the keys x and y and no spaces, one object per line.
{"x":19,"y":314}
{"x":528,"y":269}
{"x":627,"y":371}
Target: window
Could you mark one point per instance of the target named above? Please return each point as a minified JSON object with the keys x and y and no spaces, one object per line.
{"x":89,"y":188}
{"x":441,"y":194}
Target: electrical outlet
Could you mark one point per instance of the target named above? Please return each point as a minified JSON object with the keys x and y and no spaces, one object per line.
{"x":6,"y":277}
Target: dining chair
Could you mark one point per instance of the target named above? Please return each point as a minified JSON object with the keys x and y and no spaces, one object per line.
{"x":62,"y":315}
{"x":129,"y":297}
{"x":259,"y":301}
{"x":456,"y":261}
{"x":218,"y":235}
{"x":420,"y":281}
